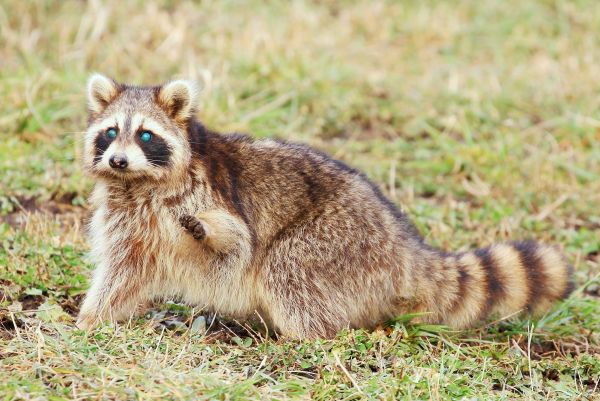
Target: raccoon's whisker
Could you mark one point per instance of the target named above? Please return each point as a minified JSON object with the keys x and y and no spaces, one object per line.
{"x":66,"y":158}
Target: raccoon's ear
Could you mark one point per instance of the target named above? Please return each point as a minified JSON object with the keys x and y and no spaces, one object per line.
{"x":179,"y":98}
{"x":101,"y":91}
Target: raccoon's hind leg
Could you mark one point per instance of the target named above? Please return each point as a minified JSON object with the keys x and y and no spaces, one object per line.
{"x":299,"y":302}
{"x":330,"y":271}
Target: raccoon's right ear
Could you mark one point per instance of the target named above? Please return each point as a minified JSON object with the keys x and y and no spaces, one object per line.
{"x":101,"y":91}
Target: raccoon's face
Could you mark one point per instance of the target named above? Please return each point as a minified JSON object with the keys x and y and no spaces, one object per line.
{"x":138,"y":133}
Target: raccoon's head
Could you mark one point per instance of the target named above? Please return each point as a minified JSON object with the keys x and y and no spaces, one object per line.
{"x":137,"y":133}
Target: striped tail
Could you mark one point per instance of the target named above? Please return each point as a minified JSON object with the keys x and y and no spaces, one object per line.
{"x":501,"y":280}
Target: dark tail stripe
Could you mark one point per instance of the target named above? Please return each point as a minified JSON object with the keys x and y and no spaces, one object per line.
{"x":464,"y":279}
{"x":534,"y":269}
{"x":495,"y":287}
{"x":570,"y":287}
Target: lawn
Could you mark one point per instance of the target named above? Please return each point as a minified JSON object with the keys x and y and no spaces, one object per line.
{"x":480,"y":118}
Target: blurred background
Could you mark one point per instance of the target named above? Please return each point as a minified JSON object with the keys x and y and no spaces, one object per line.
{"x":474,"y":115}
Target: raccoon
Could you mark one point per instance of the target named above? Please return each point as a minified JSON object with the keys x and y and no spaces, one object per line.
{"x":270,"y":228}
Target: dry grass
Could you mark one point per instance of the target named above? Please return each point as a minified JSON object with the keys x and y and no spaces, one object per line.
{"x":480,"y":118}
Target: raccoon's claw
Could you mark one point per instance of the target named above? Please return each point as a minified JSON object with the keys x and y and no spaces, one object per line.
{"x":193,"y":225}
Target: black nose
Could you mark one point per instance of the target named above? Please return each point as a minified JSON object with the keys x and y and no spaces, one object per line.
{"x":118,"y":161}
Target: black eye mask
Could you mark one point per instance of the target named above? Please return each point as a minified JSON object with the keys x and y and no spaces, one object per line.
{"x":157,"y":151}
{"x":101,"y":143}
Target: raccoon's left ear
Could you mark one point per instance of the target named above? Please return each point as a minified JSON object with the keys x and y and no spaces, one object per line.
{"x":179,"y":98}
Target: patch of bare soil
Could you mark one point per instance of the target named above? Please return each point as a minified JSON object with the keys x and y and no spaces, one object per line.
{"x":216,"y":329}
{"x":31,"y":302}
{"x":7,"y":325}
{"x":552,"y":349}
{"x":592,"y":290}
{"x":7,"y":330}
{"x":71,"y":304}
{"x":59,"y":206}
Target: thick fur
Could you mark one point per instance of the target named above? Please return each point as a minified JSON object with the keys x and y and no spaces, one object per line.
{"x":277,"y":229}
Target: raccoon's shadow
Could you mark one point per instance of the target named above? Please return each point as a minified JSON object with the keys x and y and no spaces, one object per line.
{"x":184,"y":320}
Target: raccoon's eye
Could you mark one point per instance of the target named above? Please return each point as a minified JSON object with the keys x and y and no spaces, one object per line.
{"x":146,"y":136}
{"x":111,"y":133}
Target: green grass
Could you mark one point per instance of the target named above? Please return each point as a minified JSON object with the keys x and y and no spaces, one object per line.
{"x":481,"y":118}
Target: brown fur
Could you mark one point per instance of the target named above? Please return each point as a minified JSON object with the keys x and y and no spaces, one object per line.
{"x":290,"y":233}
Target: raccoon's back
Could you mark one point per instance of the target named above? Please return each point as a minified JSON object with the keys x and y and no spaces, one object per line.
{"x":284,"y":184}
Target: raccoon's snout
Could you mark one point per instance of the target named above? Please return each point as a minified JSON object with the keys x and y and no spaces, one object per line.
{"x":118,"y":161}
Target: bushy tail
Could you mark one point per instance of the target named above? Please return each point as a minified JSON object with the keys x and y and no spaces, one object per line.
{"x":502,"y":279}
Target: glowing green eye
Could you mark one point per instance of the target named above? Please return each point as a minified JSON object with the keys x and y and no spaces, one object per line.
{"x":111,"y":133}
{"x":145,"y":136}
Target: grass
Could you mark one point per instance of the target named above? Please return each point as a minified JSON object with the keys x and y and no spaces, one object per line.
{"x":481,"y":118}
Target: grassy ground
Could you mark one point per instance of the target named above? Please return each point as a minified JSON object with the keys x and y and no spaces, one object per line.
{"x":480,"y":117}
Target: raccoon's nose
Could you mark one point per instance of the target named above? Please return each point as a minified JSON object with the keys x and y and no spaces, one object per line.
{"x":118,"y":161}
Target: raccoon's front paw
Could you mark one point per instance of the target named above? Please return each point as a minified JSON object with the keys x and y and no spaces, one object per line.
{"x":193,"y":225}
{"x":86,"y":321}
